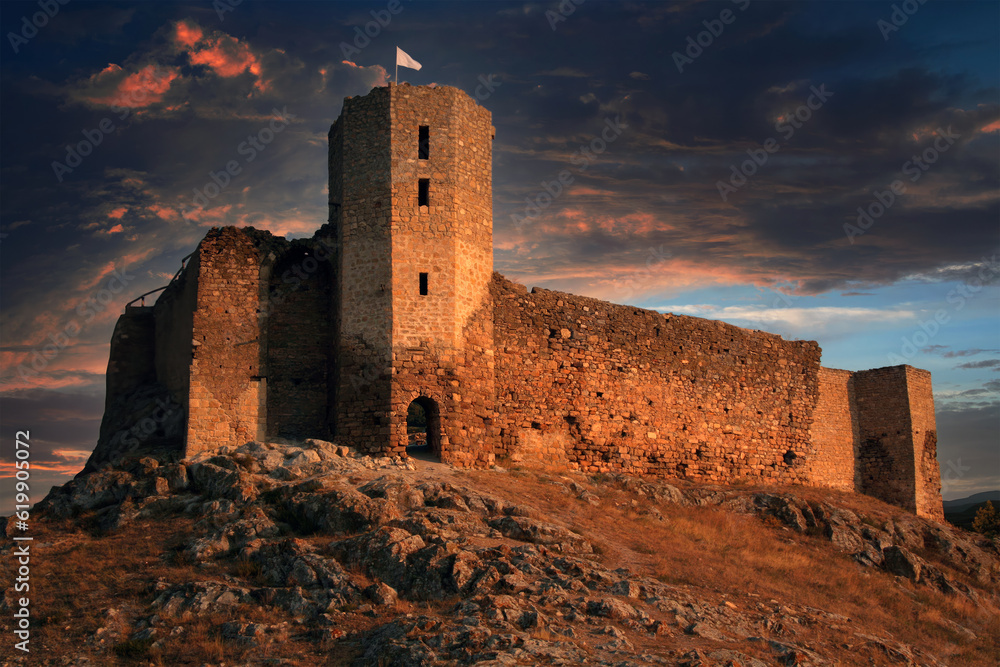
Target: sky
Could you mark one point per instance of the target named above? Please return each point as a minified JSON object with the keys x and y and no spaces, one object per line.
{"x":826,"y":171}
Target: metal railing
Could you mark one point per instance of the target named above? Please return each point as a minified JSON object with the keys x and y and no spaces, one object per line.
{"x":142,"y":297}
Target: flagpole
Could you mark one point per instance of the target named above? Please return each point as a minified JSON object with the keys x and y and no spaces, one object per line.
{"x":397,"y":71}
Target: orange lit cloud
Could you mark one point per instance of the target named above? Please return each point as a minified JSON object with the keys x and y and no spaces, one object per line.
{"x":162,"y":212}
{"x":139,"y":89}
{"x":116,"y":214}
{"x":227,"y":57}
{"x":188,"y":34}
{"x":381,"y":73}
{"x":71,"y":454}
{"x":7,"y":467}
{"x":116,"y":229}
{"x":992,"y":127}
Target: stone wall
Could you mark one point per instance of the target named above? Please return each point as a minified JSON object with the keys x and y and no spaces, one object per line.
{"x":360,"y":175}
{"x":609,"y":387}
{"x":886,"y":461}
{"x":835,"y":431}
{"x":299,"y":350}
{"x":132,"y":358}
{"x":226,"y":389}
{"x":174,"y":312}
{"x":924,"y":438}
{"x":442,"y":340}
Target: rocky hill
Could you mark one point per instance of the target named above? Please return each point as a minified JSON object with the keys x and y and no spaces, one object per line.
{"x":308,"y":554}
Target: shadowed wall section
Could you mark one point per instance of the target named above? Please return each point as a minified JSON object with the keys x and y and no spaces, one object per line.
{"x":299,"y":337}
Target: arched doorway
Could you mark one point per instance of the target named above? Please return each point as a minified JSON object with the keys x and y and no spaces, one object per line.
{"x":423,"y":428}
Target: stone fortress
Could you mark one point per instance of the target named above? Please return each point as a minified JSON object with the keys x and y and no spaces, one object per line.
{"x":394,"y":300}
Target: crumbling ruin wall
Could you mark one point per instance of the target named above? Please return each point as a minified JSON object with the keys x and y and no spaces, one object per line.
{"x":174,"y":312}
{"x":225,"y":407}
{"x":298,"y":341}
{"x":835,"y":431}
{"x":608,"y":387}
{"x":132,"y":358}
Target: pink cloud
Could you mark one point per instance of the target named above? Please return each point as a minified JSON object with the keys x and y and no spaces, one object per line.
{"x":116,"y":229}
{"x":992,"y":127}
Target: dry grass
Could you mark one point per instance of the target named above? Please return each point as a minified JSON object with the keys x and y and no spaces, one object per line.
{"x":720,"y":555}
{"x":755,"y":562}
{"x":76,"y":578}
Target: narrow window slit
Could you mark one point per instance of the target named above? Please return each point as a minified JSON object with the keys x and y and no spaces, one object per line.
{"x":424,"y":143}
{"x":423,"y":284}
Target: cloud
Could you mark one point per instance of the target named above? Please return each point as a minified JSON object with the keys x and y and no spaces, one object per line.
{"x":226,"y":55}
{"x":968,"y":353}
{"x":819,"y":322}
{"x":639,"y":76}
{"x":571,"y":72}
{"x":188,"y":33}
{"x":986,"y":363}
{"x":114,"y":87}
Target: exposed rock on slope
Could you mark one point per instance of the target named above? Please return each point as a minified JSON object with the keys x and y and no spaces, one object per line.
{"x":378,"y":562}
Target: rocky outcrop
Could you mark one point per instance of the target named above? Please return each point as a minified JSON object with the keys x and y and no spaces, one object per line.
{"x":329,"y":538}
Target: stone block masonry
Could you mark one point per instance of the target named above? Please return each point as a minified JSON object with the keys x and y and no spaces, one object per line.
{"x":835,"y":431}
{"x":225,"y":387}
{"x":897,"y":460}
{"x":607,"y":387}
{"x":394,"y":301}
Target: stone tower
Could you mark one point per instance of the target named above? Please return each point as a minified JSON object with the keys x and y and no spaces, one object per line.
{"x":411,"y":206}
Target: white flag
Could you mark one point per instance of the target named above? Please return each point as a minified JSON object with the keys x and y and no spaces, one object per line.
{"x":402,"y":58}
